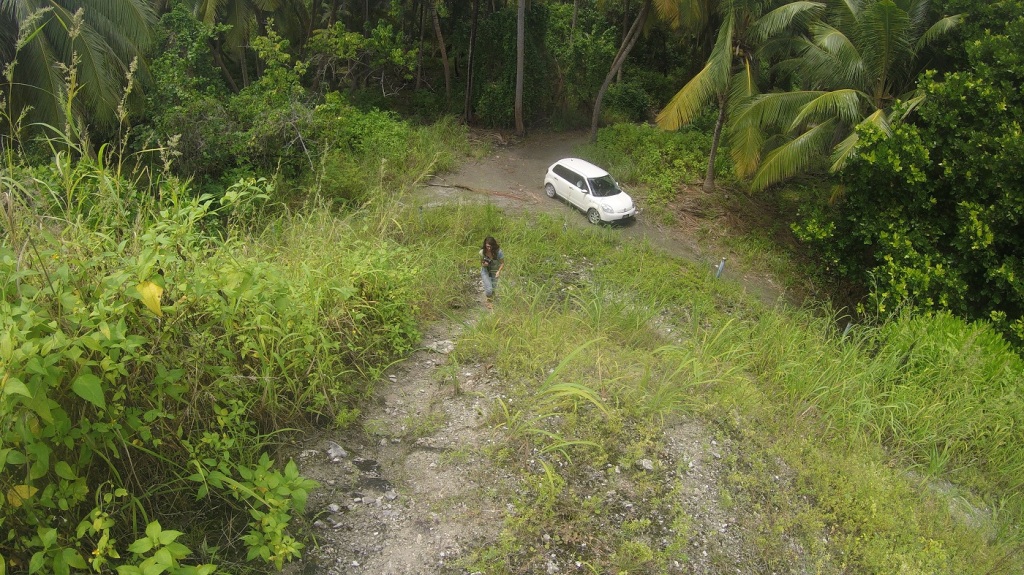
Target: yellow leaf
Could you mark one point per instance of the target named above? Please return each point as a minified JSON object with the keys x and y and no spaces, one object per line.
{"x":19,"y":494}
{"x":150,"y":294}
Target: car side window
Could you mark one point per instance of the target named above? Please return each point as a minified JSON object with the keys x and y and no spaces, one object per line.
{"x":567,"y":174}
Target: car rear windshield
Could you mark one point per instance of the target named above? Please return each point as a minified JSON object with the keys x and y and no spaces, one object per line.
{"x":604,"y":186}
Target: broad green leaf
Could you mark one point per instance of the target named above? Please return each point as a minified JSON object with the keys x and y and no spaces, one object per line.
{"x":47,"y":536}
{"x":150,"y":294}
{"x":35,"y":564}
{"x":19,"y":494}
{"x":13,"y":386}
{"x":141,"y":546}
{"x":89,"y":387}
{"x":74,"y":559}
{"x":64,"y":471}
{"x":167,"y":536}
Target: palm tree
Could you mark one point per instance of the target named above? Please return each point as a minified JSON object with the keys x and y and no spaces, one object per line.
{"x":730,"y":76}
{"x":854,"y":66}
{"x":101,"y":38}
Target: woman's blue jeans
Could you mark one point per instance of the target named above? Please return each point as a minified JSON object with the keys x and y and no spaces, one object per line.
{"x":490,"y":282}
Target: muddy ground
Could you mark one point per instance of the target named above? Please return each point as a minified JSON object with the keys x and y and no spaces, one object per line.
{"x":412,"y":490}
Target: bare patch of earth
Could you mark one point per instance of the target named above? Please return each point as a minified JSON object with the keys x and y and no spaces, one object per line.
{"x":414,"y":489}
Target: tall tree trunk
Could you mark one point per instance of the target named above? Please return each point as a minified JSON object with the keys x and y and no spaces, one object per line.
{"x":625,"y":31}
{"x":314,"y":14}
{"x":218,"y":57}
{"x":572,"y":25}
{"x":520,"y":65}
{"x":334,"y":13}
{"x":709,"y":177}
{"x":444,"y":55}
{"x":244,"y":65}
{"x":419,"y":51}
{"x":467,"y":108}
{"x":620,"y":58}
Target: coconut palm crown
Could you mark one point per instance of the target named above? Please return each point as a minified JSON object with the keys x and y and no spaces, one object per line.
{"x":851,"y":67}
{"x":41,"y":39}
{"x":749,"y":31}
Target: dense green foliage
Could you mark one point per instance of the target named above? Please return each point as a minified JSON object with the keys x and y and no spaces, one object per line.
{"x":188,"y":277}
{"x":155,"y":342}
{"x":932,"y":213}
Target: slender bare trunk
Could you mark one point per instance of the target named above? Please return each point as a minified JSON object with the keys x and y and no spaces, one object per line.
{"x":467,"y":107}
{"x":419,"y":52}
{"x":314,"y":13}
{"x":709,"y":177}
{"x":575,"y":13}
{"x":520,"y":65}
{"x":625,"y":32}
{"x":334,"y":13}
{"x":627,"y":45}
{"x":444,"y":55}
{"x":218,"y":58}
{"x":244,"y":65}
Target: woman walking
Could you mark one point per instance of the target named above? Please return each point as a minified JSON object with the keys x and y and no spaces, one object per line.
{"x":491,"y":261}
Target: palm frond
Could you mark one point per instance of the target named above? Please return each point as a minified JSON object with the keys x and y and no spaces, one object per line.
{"x":938,"y":29}
{"x":782,"y":18}
{"x":695,"y":14}
{"x":844,"y":149}
{"x":794,"y":156}
{"x":746,"y":139}
{"x":846,"y":13}
{"x":845,"y":105}
{"x":911,"y":101}
{"x":831,"y":60}
{"x":711,"y":80}
{"x":883,"y":29}
{"x":668,"y":11}
{"x":775,"y":109}
{"x":37,"y":82}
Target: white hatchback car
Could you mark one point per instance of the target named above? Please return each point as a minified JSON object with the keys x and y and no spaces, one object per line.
{"x":590,"y":189}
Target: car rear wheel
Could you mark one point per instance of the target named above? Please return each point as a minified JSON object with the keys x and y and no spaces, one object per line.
{"x":550,"y":190}
{"x":593,"y":216}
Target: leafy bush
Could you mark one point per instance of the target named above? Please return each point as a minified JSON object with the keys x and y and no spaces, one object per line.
{"x":628,"y":102}
{"x":148,"y":350}
{"x":931,"y":214}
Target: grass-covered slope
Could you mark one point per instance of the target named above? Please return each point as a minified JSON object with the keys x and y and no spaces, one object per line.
{"x":894,"y":448}
{"x":155,"y":346}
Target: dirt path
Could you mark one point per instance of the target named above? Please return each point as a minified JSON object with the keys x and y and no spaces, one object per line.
{"x":512,"y":178}
{"x":410,"y":493}
{"x":413,"y":490}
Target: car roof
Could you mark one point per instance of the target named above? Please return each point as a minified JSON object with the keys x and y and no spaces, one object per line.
{"x":582,"y":167}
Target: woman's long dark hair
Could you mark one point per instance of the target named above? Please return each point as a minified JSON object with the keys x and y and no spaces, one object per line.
{"x":493,"y":252}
